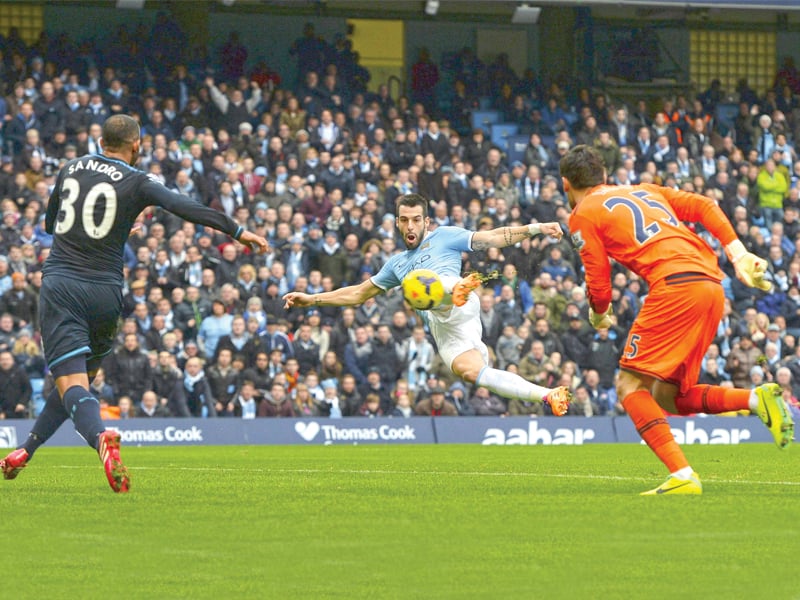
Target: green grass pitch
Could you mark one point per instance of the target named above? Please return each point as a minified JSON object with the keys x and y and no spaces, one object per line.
{"x":402,"y":522}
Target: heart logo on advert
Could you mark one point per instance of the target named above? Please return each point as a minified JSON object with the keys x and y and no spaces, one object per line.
{"x":308,"y":431}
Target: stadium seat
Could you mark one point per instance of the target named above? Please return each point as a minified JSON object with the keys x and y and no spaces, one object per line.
{"x":548,"y":141}
{"x":515,"y":148}
{"x":485,"y":119}
{"x":726,"y":114}
{"x":501,"y":132}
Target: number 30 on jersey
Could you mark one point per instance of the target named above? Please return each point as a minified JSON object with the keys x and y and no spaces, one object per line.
{"x":71,"y":191}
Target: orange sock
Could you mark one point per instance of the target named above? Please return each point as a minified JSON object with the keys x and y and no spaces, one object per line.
{"x":712,"y":400}
{"x":652,"y":425}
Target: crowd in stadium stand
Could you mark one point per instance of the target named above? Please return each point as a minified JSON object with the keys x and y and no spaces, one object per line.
{"x":316,"y":166}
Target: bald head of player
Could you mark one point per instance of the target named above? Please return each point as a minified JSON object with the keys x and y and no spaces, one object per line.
{"x":121,"y":138}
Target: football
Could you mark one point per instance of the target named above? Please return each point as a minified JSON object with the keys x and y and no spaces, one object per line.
{"x":423,"y":289}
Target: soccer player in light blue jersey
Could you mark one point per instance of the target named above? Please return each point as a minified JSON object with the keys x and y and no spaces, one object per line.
{"x":456,"y":324}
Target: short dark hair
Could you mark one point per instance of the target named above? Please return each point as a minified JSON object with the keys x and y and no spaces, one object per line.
{"x":119,"y":131}
{"x":412,"y":200}
{"x":583,"y":167}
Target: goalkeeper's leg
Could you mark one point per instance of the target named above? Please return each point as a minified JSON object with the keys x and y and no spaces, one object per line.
{"x":714,"y":399}
{"x":766,"y":401}
{"x":650,"y":421}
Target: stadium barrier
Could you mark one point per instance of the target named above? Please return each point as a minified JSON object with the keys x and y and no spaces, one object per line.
{"x":416,"y":430}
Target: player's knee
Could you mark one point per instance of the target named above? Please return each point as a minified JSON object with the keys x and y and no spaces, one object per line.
{"x":468,"y":366}
{"x":470,"y":375}
{"x":467,"y":371}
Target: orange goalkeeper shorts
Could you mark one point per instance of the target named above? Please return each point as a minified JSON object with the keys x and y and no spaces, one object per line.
{"x":677,"y":322}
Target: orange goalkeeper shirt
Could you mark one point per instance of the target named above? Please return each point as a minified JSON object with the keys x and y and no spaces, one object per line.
{"x":641,"y":227}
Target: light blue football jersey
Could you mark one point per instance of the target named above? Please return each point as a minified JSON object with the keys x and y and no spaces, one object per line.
{"x":440,"y":252}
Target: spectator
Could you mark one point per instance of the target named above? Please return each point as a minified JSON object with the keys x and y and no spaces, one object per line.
{"x":386,"y":355}
{"x":358,"y":355}
{"x":245,"y":404}
{"x":601,"y":396}
{"x":486,"y":404}
{"x":214,"y":326}
{"x":306,"y":350}
{"x":582,"y":404}
{"x":276,"y":403}
{"x":371,"y":406}
{"x":541,"y":332}
{"x":102,"y":390}
{"x":436,"y":405}
{"x":536,"y":366}
{"x":424,"y":77}
{"x":168,"y":386}
{"x":772,"y":187}
{"x":603,"y":355}
{"x":189,"y":313}
{"x":124,"y":410}
{"x":402,"y":407}
{"x":128,"y":369}
{"x":150,"y":407}
{"x":332,"y":260}
{"x":742,"y":358}
{"x":198,"y":392}
{"x":374,"y":385}
{"x":417,"y":353}
{"x":349,"y":397}
{"x":235,"y":341}
{"x":233,"y":106}
{"x":306,"y":405}
{"x":223,"y":380}
{"x":15,"y":389}
{"x":21,"y":303}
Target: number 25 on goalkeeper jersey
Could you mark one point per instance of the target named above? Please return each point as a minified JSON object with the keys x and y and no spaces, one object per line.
{"x":642,"y":228}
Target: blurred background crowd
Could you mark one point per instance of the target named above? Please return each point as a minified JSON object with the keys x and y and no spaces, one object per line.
{"x":316,"y":165}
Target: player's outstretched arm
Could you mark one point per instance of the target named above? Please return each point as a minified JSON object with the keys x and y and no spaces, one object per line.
{"x":508,"y":236}
{"x":346,"y":296}
{"x":156,"y":194}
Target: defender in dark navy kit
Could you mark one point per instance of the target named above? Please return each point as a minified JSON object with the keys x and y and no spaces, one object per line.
{"x":92,"y":209}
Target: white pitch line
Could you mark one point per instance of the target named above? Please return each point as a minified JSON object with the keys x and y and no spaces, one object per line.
{"x":435,"y":473}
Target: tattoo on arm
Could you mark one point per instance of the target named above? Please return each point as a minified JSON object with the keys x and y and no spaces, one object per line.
{"x":497,"y":239}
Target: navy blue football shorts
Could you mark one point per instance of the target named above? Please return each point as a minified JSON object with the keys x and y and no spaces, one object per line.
{"x":78,"y":318}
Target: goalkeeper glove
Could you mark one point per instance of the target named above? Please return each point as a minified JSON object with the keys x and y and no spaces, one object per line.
{"x":601,"y":320}
{"x":464,"y":286}
{"x":750,"y":269}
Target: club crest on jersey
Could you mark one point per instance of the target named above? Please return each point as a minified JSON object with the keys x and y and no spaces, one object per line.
{"x":577,"y":240}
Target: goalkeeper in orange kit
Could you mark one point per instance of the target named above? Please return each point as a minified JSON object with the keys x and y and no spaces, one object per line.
{"x":642,"y":228}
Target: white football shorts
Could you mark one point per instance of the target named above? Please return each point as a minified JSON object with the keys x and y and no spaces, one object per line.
{"x":458,"y":330}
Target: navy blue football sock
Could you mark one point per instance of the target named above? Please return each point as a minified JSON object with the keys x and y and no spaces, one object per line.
{"x":84,"y":410}
{"x":47,"y":423}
